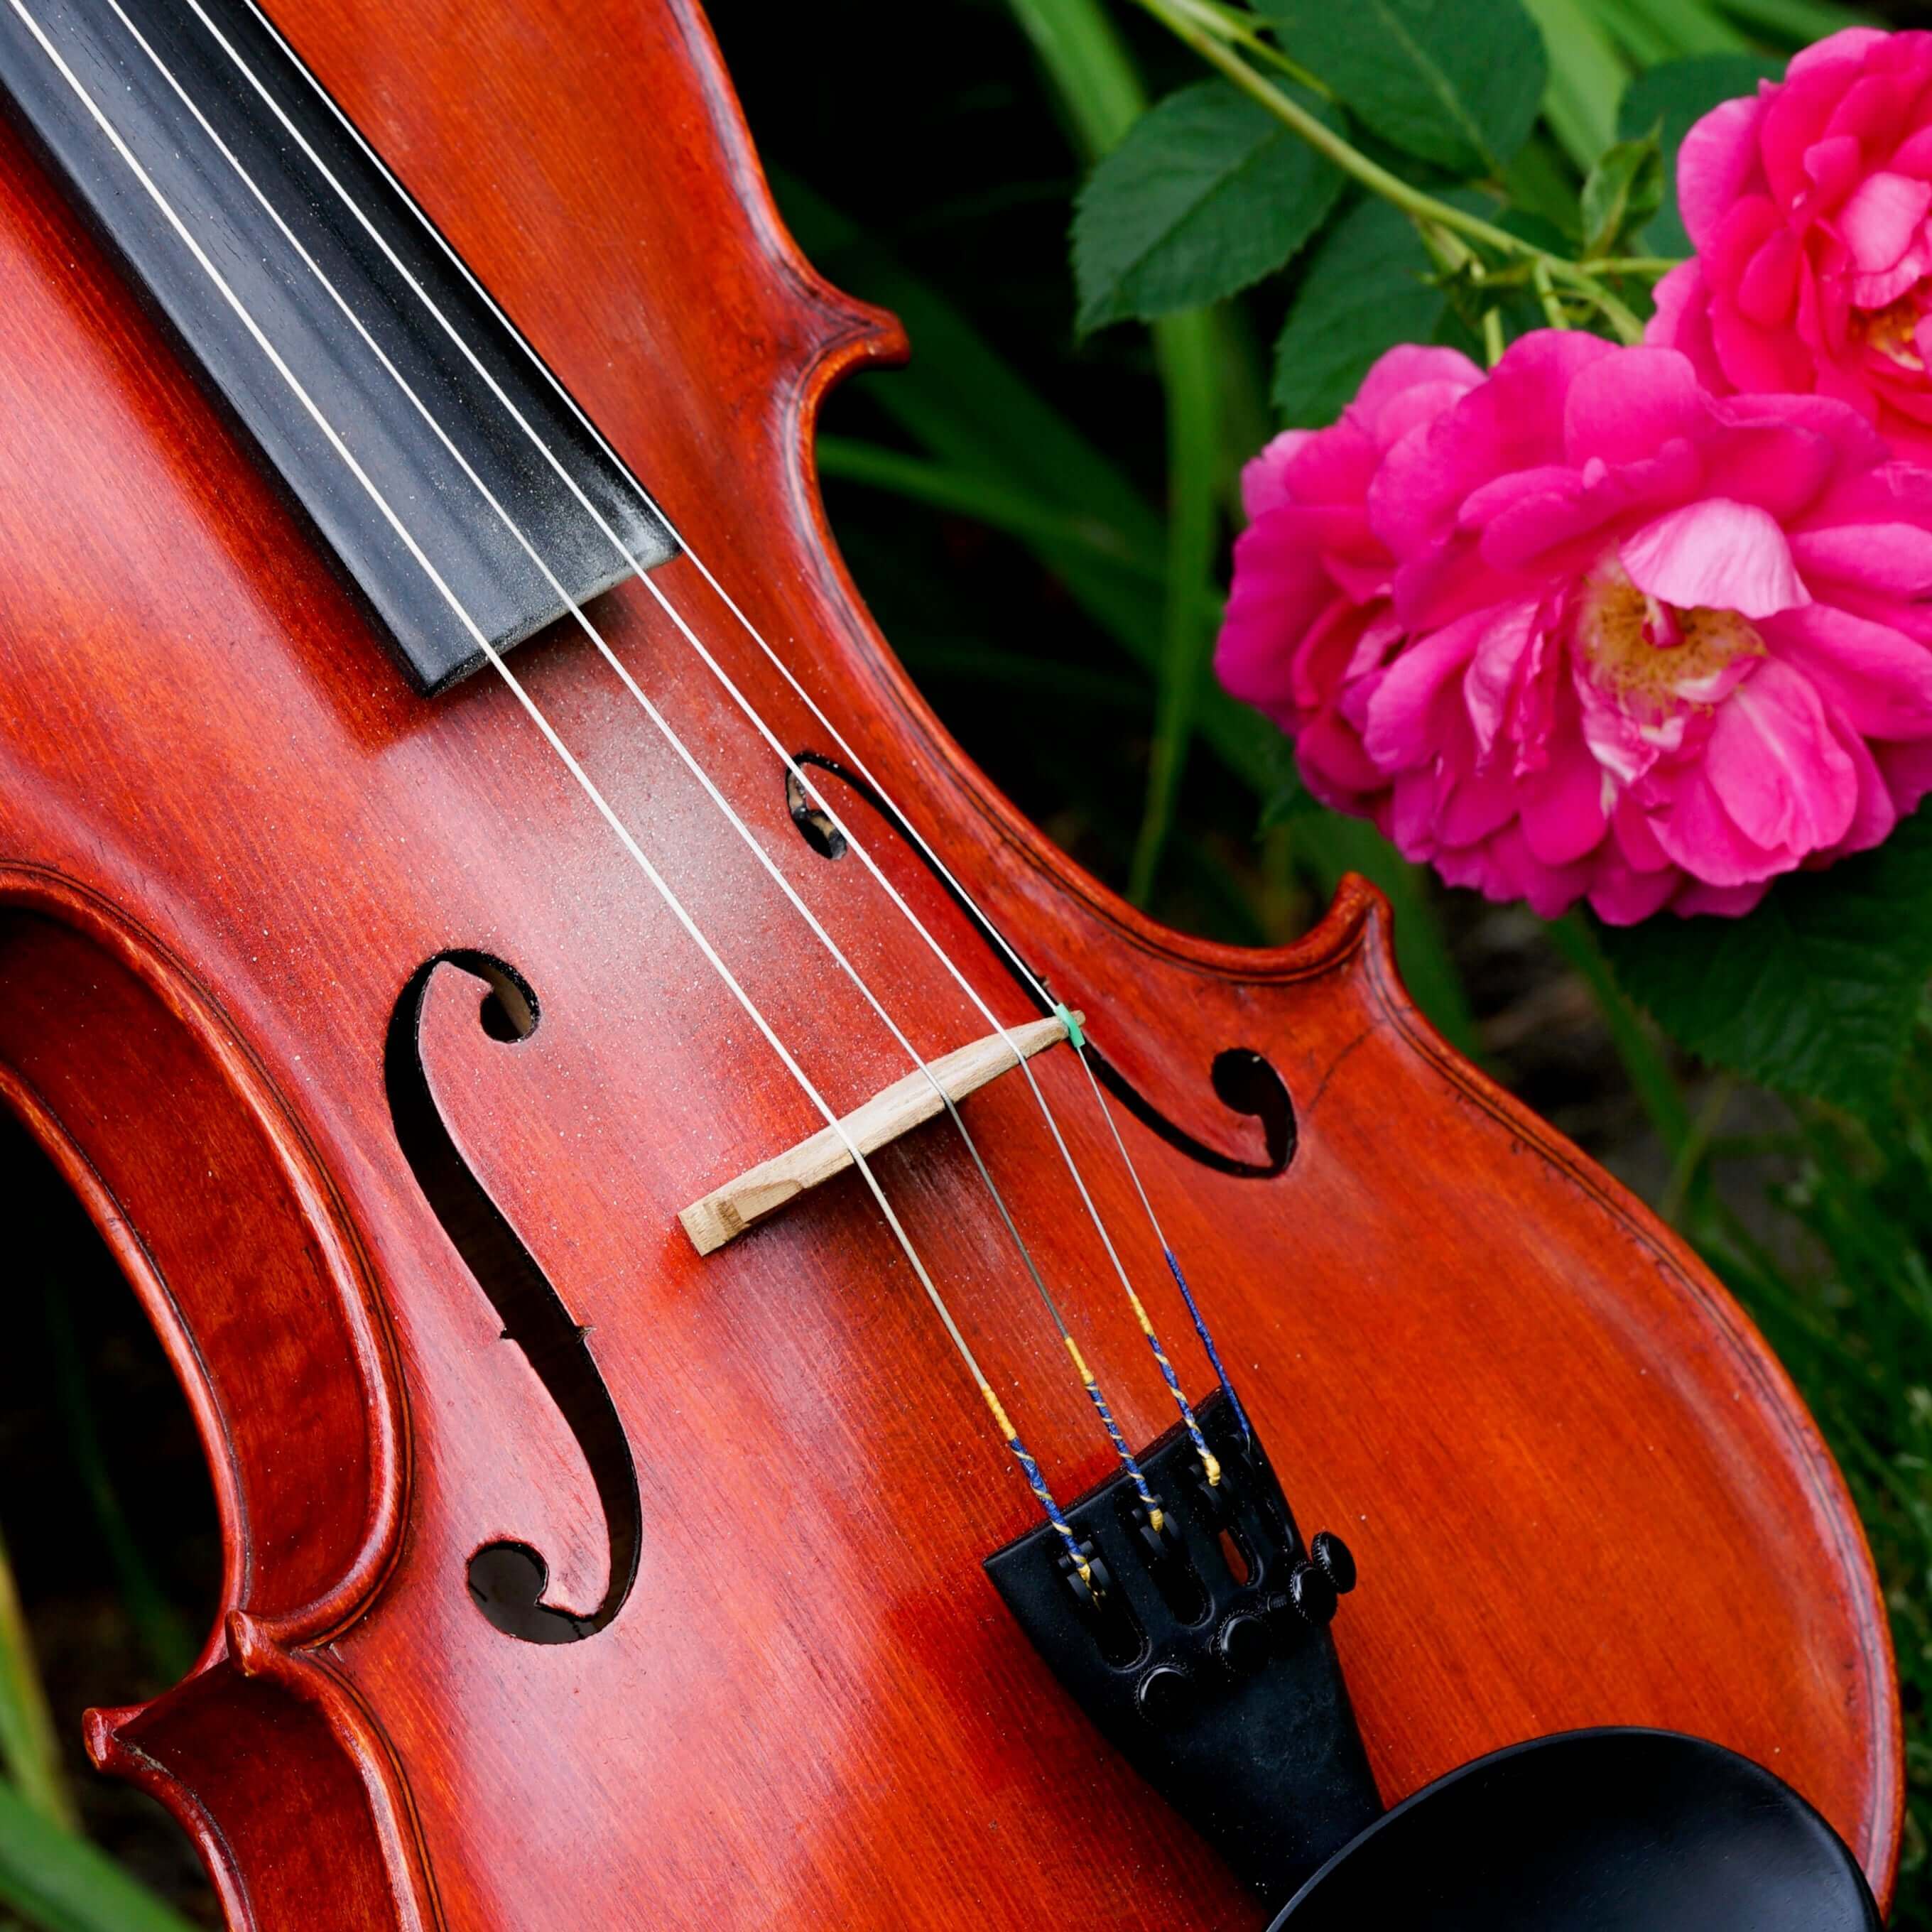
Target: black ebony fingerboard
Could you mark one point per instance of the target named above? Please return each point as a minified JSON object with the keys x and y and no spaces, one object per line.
{"x":474,"y":552}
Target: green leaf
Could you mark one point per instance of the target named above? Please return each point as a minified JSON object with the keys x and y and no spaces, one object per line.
{"x":1457,"y":82}
{"x":60,"y":1882}
{"x":1364,"y":288}
{"x":1623,"y":191}
{"x":1207,"y":194}
{"x":1538,"y":181}
{"x":1672,"y":98}
{"x":1814,"y":992}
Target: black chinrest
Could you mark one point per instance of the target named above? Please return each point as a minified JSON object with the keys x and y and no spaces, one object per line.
{"x":1599,"y":1830}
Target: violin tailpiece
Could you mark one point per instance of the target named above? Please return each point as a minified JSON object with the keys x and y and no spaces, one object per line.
{"x":1206,"y":1660}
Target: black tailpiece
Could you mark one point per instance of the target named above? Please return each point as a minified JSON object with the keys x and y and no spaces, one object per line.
{"x":1206,"y":1660}
{"x":1212,"y":1670}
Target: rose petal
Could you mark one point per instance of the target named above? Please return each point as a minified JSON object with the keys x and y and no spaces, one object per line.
{"x":1513,"y":420}
{"x":1264,"y":478}
{"x":1713,"y":163}
{"x":1407,"y":717}
{"x":1874,"y":678}
{"x":1718,"y":555}
{"x":1846,"y":48}
{"x":1620,"y":896}
{"x":1893,"y":558}
{"x":1776,"y":767}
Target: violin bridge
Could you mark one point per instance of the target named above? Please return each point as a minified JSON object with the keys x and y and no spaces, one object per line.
{"x":724,"y":1214}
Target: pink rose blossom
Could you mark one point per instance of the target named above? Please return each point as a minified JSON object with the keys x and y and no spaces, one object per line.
{"x":1809,"y":204}
{"x":1579,"y":630}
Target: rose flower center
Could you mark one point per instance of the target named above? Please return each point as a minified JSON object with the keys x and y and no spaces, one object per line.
{"x":1639,"y":647}
{"x":1890,"y":330}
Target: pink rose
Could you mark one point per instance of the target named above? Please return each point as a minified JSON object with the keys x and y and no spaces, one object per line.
{"x":1579,"y":629}
{"x":1309,"y":609}
{"x":1810,"y":207}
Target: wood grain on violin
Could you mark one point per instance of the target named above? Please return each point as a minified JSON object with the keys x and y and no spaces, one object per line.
{"x":232,"y":838}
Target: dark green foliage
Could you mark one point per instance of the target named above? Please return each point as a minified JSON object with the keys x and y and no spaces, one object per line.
{"x":1454,"y":83}
{"x":1814,"y":993}
{"x":1669,"y":99}
{"x":1366,"y":286}
{"x":1621,"y":193}
{"x":1207,"y":194}
{"x":1840,"y":1280}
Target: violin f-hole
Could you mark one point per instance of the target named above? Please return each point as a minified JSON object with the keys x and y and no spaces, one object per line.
{"x":507,"y":1579}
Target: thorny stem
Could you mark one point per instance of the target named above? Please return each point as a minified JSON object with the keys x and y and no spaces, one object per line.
{"x":1183,"y":20}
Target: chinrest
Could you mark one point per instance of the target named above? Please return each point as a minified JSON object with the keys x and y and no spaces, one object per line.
{"x":1615,"y":1830}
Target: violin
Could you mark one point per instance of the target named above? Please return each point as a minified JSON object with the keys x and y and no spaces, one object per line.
{"x":770,"y":1352}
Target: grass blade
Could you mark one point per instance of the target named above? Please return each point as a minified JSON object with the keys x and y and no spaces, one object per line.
{"x":58,"y":1882}
{"x":1586,"y":78}
{"x":1795,"y":23}
{"x":28,"y":1749}
{"x":1094,"y":83}
{"x":984,"y":498}
{"x":1669,"y":29}
{"x":1651,"y":1078}
{"x":162,"y":1636}
{"x":1186,"y":347}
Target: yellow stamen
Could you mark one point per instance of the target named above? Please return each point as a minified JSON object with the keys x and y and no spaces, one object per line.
{"x":1638,"y":647}
{"x":1891,"y":331}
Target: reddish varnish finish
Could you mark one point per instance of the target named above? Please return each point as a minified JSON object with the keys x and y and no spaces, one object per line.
{"x":1581,"y":1490}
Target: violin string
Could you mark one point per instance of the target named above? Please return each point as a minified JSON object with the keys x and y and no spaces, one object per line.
{"x":1030,"y":1467}
{"x":1130,"y":1464}
{"x":1210,"y":1463}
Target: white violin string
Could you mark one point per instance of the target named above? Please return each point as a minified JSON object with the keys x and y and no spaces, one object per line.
{"x":671,"y":737}
{"x":749,"y":712}
{"x":590,"y":789}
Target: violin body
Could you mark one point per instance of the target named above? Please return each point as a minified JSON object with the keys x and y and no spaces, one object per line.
{"x":1579,"y":1489}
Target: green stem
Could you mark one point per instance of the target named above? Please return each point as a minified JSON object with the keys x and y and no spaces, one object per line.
{"x":1184,"y":346}
{"x":1691,"y":1155}
{"x":1234,"y":24}
{"x":28,"y":1749}
{"x":1175,"y":16}
{"x":1552,"y":309}
{"x":1649,"y":1076}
